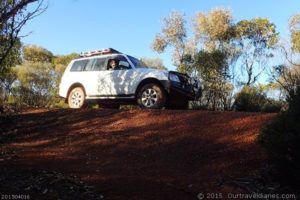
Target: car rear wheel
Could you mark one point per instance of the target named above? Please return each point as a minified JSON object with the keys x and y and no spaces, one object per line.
{"x":151,"y":96}
{"x":76,"y":98}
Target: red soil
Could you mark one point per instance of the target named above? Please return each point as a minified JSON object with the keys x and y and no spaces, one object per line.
{"x":140,"y":154}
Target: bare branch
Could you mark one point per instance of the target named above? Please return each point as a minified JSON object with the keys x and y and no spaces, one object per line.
{"x":13,"y":17}
{"x":15,"y":9}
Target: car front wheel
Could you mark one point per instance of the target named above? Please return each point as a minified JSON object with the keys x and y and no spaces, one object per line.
{"x":151,"y":96}
{"x":76,"y":98}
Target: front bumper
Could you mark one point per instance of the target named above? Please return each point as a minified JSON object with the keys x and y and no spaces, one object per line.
{"x":178,"y":91}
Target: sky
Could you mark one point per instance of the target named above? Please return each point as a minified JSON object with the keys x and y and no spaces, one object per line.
{"x":130,"y":26}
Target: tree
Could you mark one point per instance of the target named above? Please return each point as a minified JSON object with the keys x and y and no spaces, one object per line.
{"x":60,"y":63}
{"x":173,"y":34}
{"x":214,"y":29}
{"x":250,"y":99}
{"x":212,"y":68}
{"x":249,"y":43}
{"x":256,"y":39}
{"x":287,"y":75}
{"x":35,"y":53}
{"x":294,"y":25}
{"x":8,"y":73}
{"x":6,"y":84}
{"x":215,"y":33}
{"x":36,"y":77}
{"x":281,"y":137}
{"x":154,"y":63}
{"x":13,"y":16}
{"x":35,"y":83}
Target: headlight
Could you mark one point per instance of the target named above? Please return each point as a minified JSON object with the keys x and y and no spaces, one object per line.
{"x":174,"y":77}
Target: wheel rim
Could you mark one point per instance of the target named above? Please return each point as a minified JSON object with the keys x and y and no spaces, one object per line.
{"x":76,"y":99}
{"x":149,"y":97}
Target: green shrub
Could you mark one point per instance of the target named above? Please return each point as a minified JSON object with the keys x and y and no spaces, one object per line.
{"x":61,"y":104}
{"x":281,"y":138}
{"x":196,"y":105}
{"x":272,"y":106}
{"x":250,"y":99}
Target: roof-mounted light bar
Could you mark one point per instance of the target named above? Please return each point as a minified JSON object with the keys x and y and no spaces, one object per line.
{"x":98,"y":52}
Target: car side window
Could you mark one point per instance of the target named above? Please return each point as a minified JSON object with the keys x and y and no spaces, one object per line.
{"x":89,"y":65}
{"x":78,"y":65}
{"x":99,"y":64}
{"x":121,"y":62}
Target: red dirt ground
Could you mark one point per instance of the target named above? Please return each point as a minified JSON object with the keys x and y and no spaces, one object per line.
{"x":138,"y":154}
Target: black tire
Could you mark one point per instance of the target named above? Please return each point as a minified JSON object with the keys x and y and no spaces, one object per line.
{"x":76,"y":98}
{"x":151,"y":96}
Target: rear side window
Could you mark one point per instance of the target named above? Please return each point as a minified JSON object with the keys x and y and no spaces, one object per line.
{"x":78,"y":65}
{"x":90,"y":64}
{"x":99,"y":64}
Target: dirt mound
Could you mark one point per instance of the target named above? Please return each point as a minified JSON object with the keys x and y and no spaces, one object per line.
{"x":138,"y":154}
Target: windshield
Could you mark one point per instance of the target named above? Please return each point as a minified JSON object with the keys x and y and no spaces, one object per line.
{"x":136,"y":62}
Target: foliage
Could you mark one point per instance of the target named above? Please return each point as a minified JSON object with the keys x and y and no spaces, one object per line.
{"x":248,"y":43}
{"x":215,"y":31}
{"x":287,"y":76}
{"x":214,"y":28}
{"x":212,"y":67}
{"x":34,"y":53}
{"x":13,"y":16}
{"x":7,"y":74}
{"x":295,"y":39}
{"x":281,"y":138}
{"x":260,"y":32}
{"x":159,"y":44}
{"x":211,"y":64}
{"x":254,"y":99}
{"x":12,"y":58}
{"x":64,"y":60}
{"x":155,"y":63}
{"x":60,"y":63}
{"x":272,"y":106}
{"x":256,"y":38}
{"x":6,"y":82}
{"x":173,"y":34}
{"x":198,"y":105}
{"x":294,"y":25}
{"x":174,"y":28}
{"x":250,"y":99}
{"x":36,"y":83}
{"x":294,"y":100}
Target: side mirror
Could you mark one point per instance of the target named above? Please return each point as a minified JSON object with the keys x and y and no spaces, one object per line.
{"x":123,"y":64}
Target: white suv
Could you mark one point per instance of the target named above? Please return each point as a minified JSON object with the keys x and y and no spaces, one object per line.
{"x":91,"y":78}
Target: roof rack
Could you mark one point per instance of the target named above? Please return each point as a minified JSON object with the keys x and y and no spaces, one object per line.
{"x":98,"y":52}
